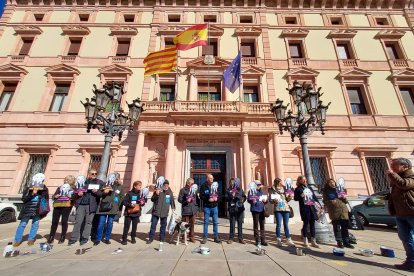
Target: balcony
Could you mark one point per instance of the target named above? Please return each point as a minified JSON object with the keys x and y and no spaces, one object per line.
{"x":249,"y":60}
{"x":68,"y":59}
{"x":204,"y":106}
{"x":298,"y":62}
{"x":18,"y":59}
{"x":349,"y":62}
{"x":120,"y":60}
{"x":400,"y":63}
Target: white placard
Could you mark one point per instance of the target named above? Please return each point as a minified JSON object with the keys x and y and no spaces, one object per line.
{"x":93,"y":187}
{"x":263,"y":198}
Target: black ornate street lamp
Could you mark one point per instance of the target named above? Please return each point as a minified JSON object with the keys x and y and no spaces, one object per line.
{"x":111,"y":122}
{"x":311,"y":116}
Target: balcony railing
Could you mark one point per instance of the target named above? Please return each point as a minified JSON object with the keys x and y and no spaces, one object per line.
{"x":68,"y":59}
{"x":18,"y":59}
{"x":249,"y":60}
{"x":400,"y":63}
{"x":205,"y":106}
{"x":119,"y":59}
{"x":298,"y":62}
{"x":349,"y":62}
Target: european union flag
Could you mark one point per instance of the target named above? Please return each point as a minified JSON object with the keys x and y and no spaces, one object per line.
{"x":232,"y":75}
{"x":2,"y":5}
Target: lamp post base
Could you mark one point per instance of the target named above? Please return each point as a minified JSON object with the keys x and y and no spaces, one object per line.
{"x":323,"y":232}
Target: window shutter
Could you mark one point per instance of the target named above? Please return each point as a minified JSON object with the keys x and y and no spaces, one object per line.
{"x":248,"y":49}
{"x":27,"y":44}
{"x":354,"y":95}
{"x":407,"y":95}
{"x":392,"y":51}
{"x":74,"y":47}
{"x":295,"y":50}
{"x":123,"y":48}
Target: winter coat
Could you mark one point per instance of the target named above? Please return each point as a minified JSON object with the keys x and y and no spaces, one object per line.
{"x":307,"y":212}
{"x":31,"y":202}
{"x":336,"y":206}
{"x":115,"y":197}
{"x":187,"y":208}
{"x":89,"y":196}
{"x":283,"y":205}
{"x":205,"y":192}
{"x":133,"y":195}
{"x":257,"y":207}
{"x":235,"y":203}
{"x":162,"y":203}
{"x":401,"y":200}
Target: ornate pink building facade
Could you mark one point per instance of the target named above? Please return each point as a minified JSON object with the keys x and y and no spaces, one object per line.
{"x":360,"y":52}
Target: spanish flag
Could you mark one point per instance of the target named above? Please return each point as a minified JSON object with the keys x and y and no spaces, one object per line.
{"x":162,"y":61}
{"x":192,"y":37}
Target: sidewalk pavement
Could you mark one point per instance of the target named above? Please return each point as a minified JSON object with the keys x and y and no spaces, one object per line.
{"x":224,"y":259}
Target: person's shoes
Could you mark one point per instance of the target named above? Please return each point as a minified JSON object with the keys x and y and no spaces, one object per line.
{"x":17,"y":243}
{"x":340,"y":244}
{"x":70,"y":242}
{"x":242,"y":241}
{"x":290,"y":242}
{"x":83,"y":241}
{"x":217,"y":240}
{"x":62,"y":239}
{"x":96,"y":243}
{"x":404,"y":266}
{"x":305,"y":242}
{"x":192,"y":240}
{"x":149,"y":241}
{"x":204,"y":241}
{"x":51,"y":239}
{"x":106,"y":241}
{"x":264,"y":243}
{"x":230,"y":241}
{"x":124,"y":242}
{"x":30,"y":243}
{"x":133,"y":241}
{"x":314,"y":244}
{"x":348,"y":245}
{"x":279,"y":242}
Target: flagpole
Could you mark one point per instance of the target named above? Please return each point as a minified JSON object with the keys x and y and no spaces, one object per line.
{"x":241,"y":78}
{"x":208,"y":65}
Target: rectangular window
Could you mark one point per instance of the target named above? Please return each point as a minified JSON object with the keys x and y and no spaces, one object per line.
{"x":382,"y":21}
{"x":356,"y":100}
{"x":408,"y":98}
{"x":59,"y":97}
{"x":248,"y":49}
{"x":319,"y":170}
{"x":392,"y":51}
{"x":27,"y":44}
{"x":210,"y":18}
{"x":7,"y":95}
{"x":343,"y":51}
{"x":295,"y":50}
{"x":39,"y":17}
{"x":336,"y":21}
{"x":129,"y":18}
{"x":168,"y":41}
{"x":75,"y":44}
{"x":37,"y":163}
{"x":246,"y":19}
{"x":174,"y":18}
{"x":84,"y":17}
{"x":291,"y":20}
{"x":94,"y":162}
{"x":123,"y":48}
{"x":210,"y":49}
{"x":209,"y":92}
{"x":377,"y":166}
{"x":167,"y":93}
{"x":250,"y":94}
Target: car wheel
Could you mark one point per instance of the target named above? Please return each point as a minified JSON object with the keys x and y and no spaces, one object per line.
{"x":363,"y":220}
{"x":6,"y":217}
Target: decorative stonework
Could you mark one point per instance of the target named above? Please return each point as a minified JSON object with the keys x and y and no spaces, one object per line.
{"x":355,"y":73}
{"x":62,"y":70}
{"x":123,"y":31}
{"x":115,"y":69}
{"x":26,"y":30}
{"x":294,"y":33}
{"x":342,"y":33}
{"x":75,"y":30}
{"x":248,"y":31}
{"x":390,"y":34}
{"x":8,"y":71}
{"x":406,"y":74}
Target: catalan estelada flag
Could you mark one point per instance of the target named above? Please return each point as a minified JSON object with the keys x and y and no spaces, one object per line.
{"x":192,"y":37}
{"x":159,"y":62}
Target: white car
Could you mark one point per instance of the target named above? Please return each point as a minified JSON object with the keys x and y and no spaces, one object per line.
{"x":8,"y":212}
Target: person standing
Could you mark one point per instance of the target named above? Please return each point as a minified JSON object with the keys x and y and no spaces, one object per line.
{"x":63,"y":201}
{"x":235,"y":198}
{"x":93,"y":179}
{"x":209,"y":197}
{"x":401,"y":204}
{"x":133,"y":202}
{"x":189,"y":207}
{"x":307,"y":200}
{"x":32,"y":197}
{"x":338,"y":213}
{"x":257,"y":200}
{"x":111,"y":202}
{"x":86,"y":203}
{"x":163,"y":199}
{"x":279,"y":198}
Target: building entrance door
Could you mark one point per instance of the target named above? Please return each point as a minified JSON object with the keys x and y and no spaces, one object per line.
{"x":203,"y":164}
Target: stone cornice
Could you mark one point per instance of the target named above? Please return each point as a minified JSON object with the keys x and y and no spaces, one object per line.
{"x":75,"y":30}
{"x":123,"y":30}
{"x":294,"y":33}
{"x":390,"y":34}
{"x":27,"y":30}
{"x":347,"y":33}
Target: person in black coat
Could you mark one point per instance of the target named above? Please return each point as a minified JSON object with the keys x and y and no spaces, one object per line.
{"x":32,"y":198}
{"x":235,"y":198}
{"x":189,"y":206}
{"x":210,"y":198}
{"x":133,"y":203}
{"x":308,"y":213}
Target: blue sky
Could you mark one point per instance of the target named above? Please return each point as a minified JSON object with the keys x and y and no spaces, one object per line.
{"x":2,"y":4}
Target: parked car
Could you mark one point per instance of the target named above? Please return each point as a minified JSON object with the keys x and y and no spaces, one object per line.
{"x":8,"y":212}
{"x":374,"y":209}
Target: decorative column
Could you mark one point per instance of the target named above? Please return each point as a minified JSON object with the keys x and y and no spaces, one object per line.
{"x":192,"y":90}
{"x":138,"y":158}
{"x":278,"y":156}
{"x":246,"y":160}
{"x":169,"y":164}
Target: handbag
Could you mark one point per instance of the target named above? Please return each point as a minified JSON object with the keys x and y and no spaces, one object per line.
{"x":268,"y":209}
{"x":134,"y":210}
{"x":44,"y":207}
{"x":291,"y":213}
{"x":105,"y":206}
